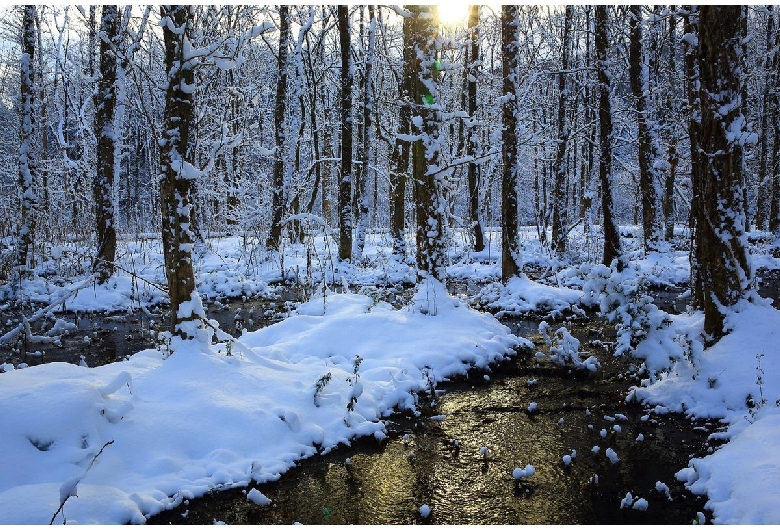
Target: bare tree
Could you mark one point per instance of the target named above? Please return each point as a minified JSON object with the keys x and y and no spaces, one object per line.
{"x":430,"y":203}
{"x":510,"y":251}
{"x":345,"y":179}
{"x":27,"y":163}
{"x":559,"y":217}
{"x":401,"y":154}
{"x":611,"y":236}
{"x":723,"y":272}
{"x":105,"y":130}
{"x":473,"y":68}
{"x":177,"y":184}
{"x":367,"y":109}
{"x":648,"y":148}
{"x":280,"y":131}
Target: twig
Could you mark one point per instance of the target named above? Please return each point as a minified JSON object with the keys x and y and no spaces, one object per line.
{"x":92,"y":463}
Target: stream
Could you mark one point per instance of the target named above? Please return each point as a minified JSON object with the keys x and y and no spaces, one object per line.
{"x":438,"y":459}
{"x":458,"y":456}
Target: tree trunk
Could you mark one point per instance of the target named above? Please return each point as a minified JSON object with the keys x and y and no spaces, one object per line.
{"x":773,"y":187}
{"x":367,"y":108}
{"x":763,"y":197}
{"x":638,"y":76}
{"x":280,"y":132}
{"x":611,"y":236}
{"x":510,"y":257}
{"x":345,"y":178}
{"x":27,"y":162}
{"x":103,"y":186}
{"x":473,"y":69}
{"x":724,"y":270}
{"x":690,"y":16}
{"x":177,"y":185}
{"x":559,"y":218}
{"x":402,"y":151}
{"x":673,"y":158}
{"x":430,"y":204}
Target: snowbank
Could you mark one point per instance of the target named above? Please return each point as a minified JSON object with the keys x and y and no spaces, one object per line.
{"x":202,"y":419}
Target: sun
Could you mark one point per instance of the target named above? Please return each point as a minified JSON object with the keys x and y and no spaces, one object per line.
{"x":453,"y":14}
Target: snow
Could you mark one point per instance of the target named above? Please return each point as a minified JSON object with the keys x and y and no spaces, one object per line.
{"x":520,"y":473}
{"x":258,"y":498}
{"x":201,"y":419}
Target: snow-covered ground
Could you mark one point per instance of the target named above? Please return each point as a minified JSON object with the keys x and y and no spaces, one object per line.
{"x":115,"y":443}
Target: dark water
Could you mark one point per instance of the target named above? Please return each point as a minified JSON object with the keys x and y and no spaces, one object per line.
{"x":437,"y":459}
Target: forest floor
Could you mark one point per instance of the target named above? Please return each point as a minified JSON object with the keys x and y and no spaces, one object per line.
{"x":606,"y":435}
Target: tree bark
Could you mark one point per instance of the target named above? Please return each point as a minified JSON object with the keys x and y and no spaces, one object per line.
{"x":367,"y":108}
{"x":27,"y":162}
{"x":280,"y":132}
{"x":105,"y":130}
{"x":763,"y":195}
{"x":430,"y":203}
{"x":672,"y":157}
{"x":510,"y":257}
{"x":177,"y":185}
{"x":472,"y":69}
{"x":724,"y":270}
{"x":559,"y":218}
{"x":774,"y":168}
{"x":612,"y":250}
{"x":345,"y":178}
{"x":638,"y":76}
{"x":690,"y":15}
{"x":401,"y":155}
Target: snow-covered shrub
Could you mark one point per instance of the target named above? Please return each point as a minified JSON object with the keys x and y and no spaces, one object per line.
{"x":565,"y":349}
{"x":623,"y":299}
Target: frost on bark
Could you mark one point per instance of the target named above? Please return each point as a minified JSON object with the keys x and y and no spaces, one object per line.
{"x":472,"y":68}
{"x":430,"y":203}
{"x":509,"y":247}
{"x":27,"y":167}
{"x":559,"y":218}
{"x":345,"y":178}
{"x":611,"y":236}
{"x":177,"y":179}
{"x":648,"y":147}
{"x":723,"y":272}
{"x":103,"y":184}
{"x":280,"y":132}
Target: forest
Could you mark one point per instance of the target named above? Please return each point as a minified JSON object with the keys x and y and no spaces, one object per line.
{"x":374,"y":198}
